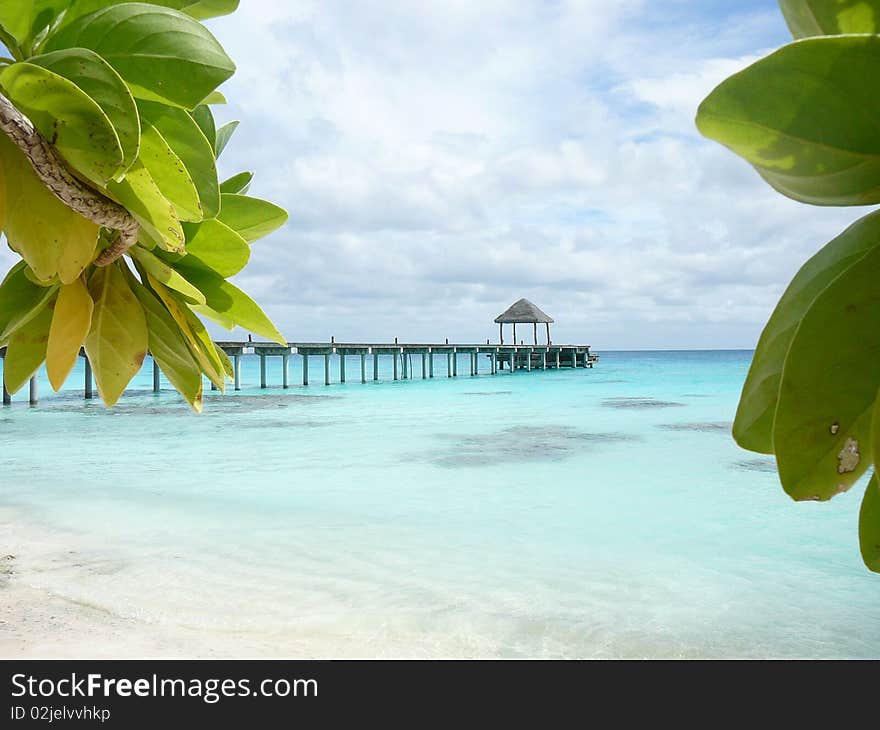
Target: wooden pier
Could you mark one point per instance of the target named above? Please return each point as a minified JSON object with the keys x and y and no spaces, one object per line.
{"x":409,"y":361}
{"x":500,"y":357}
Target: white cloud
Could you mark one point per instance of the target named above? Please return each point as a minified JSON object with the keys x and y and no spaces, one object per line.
{"x":440,"y":160}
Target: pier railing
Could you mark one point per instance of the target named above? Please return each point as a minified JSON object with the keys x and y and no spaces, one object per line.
{"x":500,"y":358}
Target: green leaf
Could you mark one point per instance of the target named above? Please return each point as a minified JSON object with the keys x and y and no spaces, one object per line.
{"x":203,"y":9}
{"x":204,"y":117}
{"x":753,"y":427}
{"x":71,"y":322}
{"x":217,"y":247}
{"x":170,"y":174}
{"x":237,"y":184}
{"x":224,"y":134}
{"x":805,"y":119}
{"x":164,"y":273}
{"x":117,"y":341}
{"x":200,"y":344}
{"x":27,"y":350}
{"x":163,"y":55}
{"x":23,"y":19}
{"x":224,"y":359}
{"x":199,"y":9}
{"x":230,"y":301}
{"x":869,"y":525}
{"x":71,"y":120}
{"x":139,"y":193}
{"x":186,"y":139}
{"x":215,"y":97}
{"x":169,"y":349}
{"x":807,"y":18}
{"x":96,"y":78}
{"x":822,"y":431}
{"x":221,"y":319}
{"x":47,"y":234}
{"x":251,"y":218}
{"x":20,"y":300}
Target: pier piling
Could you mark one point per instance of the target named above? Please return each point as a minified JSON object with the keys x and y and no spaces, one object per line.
{"x":87,"y":380}
{"x":523,"y":357}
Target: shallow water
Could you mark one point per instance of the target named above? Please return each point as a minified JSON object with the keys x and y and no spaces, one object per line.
{"x":601,"y":512}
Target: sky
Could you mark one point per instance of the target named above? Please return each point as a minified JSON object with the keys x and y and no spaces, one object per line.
{"x":440,"y":160}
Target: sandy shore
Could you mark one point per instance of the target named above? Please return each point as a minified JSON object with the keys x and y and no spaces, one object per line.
{"x":37,"y":623}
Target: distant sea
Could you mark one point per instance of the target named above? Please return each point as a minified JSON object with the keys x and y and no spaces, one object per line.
{"x":587,"y":513}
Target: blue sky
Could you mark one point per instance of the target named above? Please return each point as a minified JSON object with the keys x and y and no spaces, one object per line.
{"x":441,"y":160}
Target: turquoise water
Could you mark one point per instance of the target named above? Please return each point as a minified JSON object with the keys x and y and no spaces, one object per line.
{"x":588,"y":513}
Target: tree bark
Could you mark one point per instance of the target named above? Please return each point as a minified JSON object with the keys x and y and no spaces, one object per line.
{"x":70,"y":190}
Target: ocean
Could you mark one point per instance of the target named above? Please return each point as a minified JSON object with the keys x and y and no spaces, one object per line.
{"x":600,"y":512}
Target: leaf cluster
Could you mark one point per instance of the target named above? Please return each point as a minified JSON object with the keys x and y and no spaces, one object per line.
{"x":806,"y":118}
{"x":123,"y":92}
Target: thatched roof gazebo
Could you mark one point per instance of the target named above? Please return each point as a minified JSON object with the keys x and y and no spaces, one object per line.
{"x":523,"y":312}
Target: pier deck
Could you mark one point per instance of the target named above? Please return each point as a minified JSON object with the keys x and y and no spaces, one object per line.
{"x":500,"y":357}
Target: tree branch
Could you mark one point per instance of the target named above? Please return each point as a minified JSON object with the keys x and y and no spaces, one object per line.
{"x":70,"y":190}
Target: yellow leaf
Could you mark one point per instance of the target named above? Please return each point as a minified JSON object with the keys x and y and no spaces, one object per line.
{"x":27,"y":350}
{"x":70,"y":325}
{"x":168,"y":348}
{"x":164,"y":273}
{"x":47,"y":234}
{"x":139,"y":193}
{"x":117,"y":340}
{"x":195,"y":334}
{"x":225,"y":361}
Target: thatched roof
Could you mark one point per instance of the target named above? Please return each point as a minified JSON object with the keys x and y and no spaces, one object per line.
{"x":523,"y":311}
